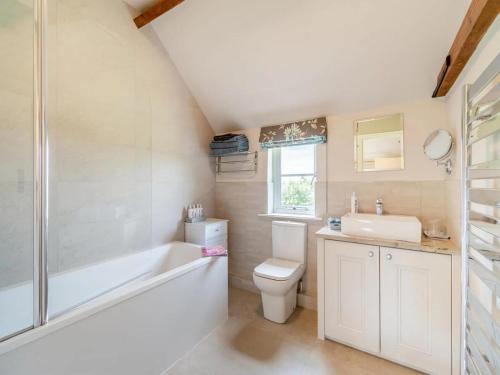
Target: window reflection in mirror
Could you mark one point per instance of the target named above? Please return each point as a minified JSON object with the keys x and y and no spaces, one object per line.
{"x":379,"y":143}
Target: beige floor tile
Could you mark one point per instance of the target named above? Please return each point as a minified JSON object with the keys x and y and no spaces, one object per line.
{"x":249,"y":344}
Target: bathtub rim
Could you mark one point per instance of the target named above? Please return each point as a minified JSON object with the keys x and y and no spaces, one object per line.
{"x":104,"y":302}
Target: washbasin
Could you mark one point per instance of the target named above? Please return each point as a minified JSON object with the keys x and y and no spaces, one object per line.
{"x":384,"y":227}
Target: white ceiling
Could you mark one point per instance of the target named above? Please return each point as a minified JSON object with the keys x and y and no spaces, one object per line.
{"x":257,"y":62}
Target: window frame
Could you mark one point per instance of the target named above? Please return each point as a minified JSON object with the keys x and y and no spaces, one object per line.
{"x":276,"y":185}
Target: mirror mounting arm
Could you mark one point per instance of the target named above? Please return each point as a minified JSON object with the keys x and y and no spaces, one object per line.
{"x":448,"y":165}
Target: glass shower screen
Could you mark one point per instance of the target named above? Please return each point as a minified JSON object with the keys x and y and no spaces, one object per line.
{"x":16,"y":167}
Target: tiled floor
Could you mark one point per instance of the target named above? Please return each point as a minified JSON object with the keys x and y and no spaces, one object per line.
{"x":249,"y":344}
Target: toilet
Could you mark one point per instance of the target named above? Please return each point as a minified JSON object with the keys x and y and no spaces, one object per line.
{"x":278,"y":276}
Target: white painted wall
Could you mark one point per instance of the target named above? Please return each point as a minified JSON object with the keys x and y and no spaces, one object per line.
{"x":262,"y":62}
{"x":484,"y":54}
{"x":420,"y":119}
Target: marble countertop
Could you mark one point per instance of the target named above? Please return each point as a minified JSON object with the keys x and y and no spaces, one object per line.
{"x":427,"y":245}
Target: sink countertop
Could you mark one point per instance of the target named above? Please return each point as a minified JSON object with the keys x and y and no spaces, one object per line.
{"x":427,"y":245}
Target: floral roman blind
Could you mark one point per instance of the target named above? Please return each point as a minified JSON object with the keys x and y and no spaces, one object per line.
{"x":295,"y":133}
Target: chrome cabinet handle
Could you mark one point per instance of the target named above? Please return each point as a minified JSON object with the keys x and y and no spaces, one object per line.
{"x":370,"y":254}
{"x":389,"y":256}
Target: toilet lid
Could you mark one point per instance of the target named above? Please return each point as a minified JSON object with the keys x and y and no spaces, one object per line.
{"x":277,"y":269}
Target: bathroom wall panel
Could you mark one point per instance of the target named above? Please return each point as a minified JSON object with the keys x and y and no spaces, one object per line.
{"x":128,"y":142}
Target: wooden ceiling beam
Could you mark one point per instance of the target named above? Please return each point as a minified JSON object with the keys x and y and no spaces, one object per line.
{"x":478,"y":19}
{"x":163,"y":6}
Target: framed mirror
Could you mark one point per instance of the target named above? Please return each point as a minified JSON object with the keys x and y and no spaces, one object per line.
{"x":379,"y":143}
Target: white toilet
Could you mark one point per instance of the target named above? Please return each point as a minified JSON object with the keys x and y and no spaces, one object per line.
{"x":278,"y":276}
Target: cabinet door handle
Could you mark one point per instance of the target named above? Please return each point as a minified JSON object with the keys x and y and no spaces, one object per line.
{"x":371,"y":254}
{"x":389,"y":256}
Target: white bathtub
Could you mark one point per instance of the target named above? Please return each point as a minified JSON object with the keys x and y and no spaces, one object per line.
{"x":143,"y":327}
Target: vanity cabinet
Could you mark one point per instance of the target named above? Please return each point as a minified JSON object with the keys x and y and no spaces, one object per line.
{"x":390,"y":302}
{"x":415,"y":305}
{"x":352,"y":295}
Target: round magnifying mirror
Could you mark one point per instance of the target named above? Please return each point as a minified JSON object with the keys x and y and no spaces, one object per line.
{"x":438,"y":144}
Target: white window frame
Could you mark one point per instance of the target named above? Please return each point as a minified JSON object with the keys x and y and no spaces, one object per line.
{"x":276,"y":186}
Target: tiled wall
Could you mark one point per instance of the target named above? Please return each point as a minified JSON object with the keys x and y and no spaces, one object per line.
{"x":250,"y":236}
{"x":423,"y":199}
{"x":128,"y":142}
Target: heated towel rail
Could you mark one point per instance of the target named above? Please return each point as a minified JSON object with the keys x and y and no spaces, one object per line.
{"x":481,"y":224}
{"x":236,"y":162}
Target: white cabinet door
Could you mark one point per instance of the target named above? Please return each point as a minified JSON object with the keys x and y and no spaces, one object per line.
{"x":415,"y":291}
{"x":352,"y":294}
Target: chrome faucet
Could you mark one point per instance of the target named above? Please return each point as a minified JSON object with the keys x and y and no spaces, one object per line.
{"x":379,"y":206}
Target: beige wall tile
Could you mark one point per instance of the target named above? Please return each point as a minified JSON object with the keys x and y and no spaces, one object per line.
{"x":250,"y":236}
{"x":128,"y":142}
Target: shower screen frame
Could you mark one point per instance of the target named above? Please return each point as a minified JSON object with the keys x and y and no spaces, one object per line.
{"x":41,"y":172}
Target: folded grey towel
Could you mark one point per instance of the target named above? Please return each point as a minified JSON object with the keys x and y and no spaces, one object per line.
{"x":227,"y":151}
{"x":228,"y":144}
{"x":228,"y":136}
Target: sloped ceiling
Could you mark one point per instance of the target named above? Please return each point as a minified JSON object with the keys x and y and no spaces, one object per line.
{"x":257,"y":62}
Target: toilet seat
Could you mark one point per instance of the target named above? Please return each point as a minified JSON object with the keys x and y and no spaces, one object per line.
{"x":277,"y":281}
{"x":278,"y":269}
{"x":278,"y":277}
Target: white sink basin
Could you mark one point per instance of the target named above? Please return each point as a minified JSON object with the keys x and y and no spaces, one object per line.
{"x":384,"y":227}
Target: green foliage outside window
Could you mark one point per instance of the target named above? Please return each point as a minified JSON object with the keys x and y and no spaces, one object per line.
{"x":297,"y":192}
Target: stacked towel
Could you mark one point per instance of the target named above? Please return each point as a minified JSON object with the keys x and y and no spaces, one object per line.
{"x":229,"y":144}
{"x":214,"y":251}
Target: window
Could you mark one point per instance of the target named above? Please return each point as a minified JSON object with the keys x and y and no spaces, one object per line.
{"x":293,"y":177}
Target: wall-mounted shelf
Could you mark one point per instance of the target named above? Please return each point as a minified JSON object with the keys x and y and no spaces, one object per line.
{"x":236,"y":162}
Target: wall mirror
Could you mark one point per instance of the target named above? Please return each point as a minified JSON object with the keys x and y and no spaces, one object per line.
{"x":438,"y":147}
{"x":379,"y":143}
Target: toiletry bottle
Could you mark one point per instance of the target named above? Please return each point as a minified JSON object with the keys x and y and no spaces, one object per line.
{"x":379,"y":206}
{"x":354,"y":203}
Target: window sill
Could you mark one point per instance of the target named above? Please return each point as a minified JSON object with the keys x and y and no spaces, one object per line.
{"x":292,"y":217}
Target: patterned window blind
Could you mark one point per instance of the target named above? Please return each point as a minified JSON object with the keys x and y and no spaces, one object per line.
{"x":294,"y":133}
